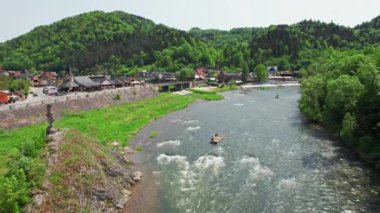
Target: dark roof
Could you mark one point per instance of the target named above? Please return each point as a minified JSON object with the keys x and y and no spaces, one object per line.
{"x":122,"y":79}
{"x":69,"y":84}
{"x":86,"y":81}
{"x":101,"y":79}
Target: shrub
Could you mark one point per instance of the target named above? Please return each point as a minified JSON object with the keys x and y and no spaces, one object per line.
{"x":22,"y":163}
{"x":152,"y":134}
{"x":30,"y":148}
{"x":14,"y":192}
{"x":139,"y":148}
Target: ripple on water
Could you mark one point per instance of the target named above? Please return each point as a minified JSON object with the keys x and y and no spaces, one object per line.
{"x":209,"y":162}
{"x":191,"y":122}
{"x":218,"y":151}
{"x":287,"y":184}
{"x":193,"y":128}
{"x":169,"y":143}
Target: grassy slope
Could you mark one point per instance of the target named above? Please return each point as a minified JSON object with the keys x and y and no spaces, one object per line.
{"x":11,"y":140}
{"x":117,"y":123}
{"x":93,"y":175}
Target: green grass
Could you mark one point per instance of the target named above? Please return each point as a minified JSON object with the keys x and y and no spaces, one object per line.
{"x":117,"y":123}
{"x":206,"y":95}
{"x":11,"y":140}
{"x":201,"y":91}
{"x":121,"y":123}
{"x":228,"y":88}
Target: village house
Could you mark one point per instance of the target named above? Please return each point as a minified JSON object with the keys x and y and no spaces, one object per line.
{"x":200,"y":74}
{"x":3,"y":72}
{"x":272,"y":70}
{"x":10,"y":97}
{"x":68,"y":86}
{"x":4,"y":96}
{"x":224,"y":77}
{"x":168,"y":76}
{"x":123,"y":81}
{"x":44,"y":79}
{"x":16,"y":75}
{"x":286,"y":73}
{"x":104,"y":81}
{"x":85,"y":83}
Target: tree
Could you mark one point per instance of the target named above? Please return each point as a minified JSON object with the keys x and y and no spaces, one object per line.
{"x":343,"y":93}
{"x":245,"y":71}
{"x":19,"y":85}
{"x":261,"y":72}
{"x":313,"y":97}
{"x":185,"y":74}
{"x":342,"y":96}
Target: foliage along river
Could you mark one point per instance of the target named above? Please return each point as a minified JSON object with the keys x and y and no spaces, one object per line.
{"x":269,"y":161}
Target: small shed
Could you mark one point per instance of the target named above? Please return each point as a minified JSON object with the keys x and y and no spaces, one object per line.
{"x":135,"y":83}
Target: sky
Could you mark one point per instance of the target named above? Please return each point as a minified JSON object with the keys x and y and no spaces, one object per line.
{"x":20,"y":16}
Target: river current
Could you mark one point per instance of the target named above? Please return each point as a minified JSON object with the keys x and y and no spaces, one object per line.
{"x":269,"y":161}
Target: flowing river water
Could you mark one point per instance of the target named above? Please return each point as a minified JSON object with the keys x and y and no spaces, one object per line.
{"x":269,"y":161}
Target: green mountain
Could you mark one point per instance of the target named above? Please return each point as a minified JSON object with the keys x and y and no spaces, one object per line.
{"x":119,"y":43}
{"x":86,"y":40}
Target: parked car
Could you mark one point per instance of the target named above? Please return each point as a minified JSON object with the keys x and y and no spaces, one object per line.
{"x":49,"y":90}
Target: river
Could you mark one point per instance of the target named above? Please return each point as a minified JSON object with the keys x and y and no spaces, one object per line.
{"x":269,"y":161}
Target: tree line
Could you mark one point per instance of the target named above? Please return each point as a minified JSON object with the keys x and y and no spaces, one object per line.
{"x":118,"y":43}
{"x":341,"y":91}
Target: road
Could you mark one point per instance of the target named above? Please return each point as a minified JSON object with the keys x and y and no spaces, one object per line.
{"x":42,"y":98}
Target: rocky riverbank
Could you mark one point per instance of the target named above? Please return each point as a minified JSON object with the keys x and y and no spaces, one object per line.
{"x":83,"y":175}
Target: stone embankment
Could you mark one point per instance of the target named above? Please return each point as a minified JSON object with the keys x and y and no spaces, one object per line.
{"x":36,"y":114}
{"x":100,"y":182}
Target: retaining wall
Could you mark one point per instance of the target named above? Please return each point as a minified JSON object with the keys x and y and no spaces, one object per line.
{"x":37,"y":113}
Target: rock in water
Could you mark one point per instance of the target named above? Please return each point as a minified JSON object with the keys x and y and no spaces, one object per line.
{"x":137,"y":175}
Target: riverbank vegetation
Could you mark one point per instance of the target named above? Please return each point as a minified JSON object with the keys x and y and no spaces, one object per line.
{"x":342,"y":91}
{"x":7,"y":83}
{"x":22,"y":159}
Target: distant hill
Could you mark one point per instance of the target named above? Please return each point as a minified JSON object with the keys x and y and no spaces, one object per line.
{"x":86,"y":40}
{"x":121,"y":42}
{"x":293,"y":42}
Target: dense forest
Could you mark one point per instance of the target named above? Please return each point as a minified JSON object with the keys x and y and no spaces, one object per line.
{"x":118,"y":43}
{"x":341,"y":90}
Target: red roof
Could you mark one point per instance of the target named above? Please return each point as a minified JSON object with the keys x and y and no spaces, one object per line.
{"x":45,"y":75}
{"x":201,"y":72}
{"x":14,"y":74}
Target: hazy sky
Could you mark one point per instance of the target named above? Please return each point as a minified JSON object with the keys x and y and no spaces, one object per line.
{"x":21,"y":16}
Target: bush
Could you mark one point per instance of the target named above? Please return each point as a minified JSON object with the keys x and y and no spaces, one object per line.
{"x":22,"y":163}
{"x":30,"y":148}
{"x":139,"y":148}
{"x":214,"y":84}
{"x":152,"y":134}
{"x":14,"y":192}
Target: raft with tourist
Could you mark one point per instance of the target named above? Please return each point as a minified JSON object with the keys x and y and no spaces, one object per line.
{"x":215,"y":139}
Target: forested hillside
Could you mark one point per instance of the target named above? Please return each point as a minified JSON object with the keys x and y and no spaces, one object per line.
{"x":119,"y":43}
{"x":87,"y":40}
